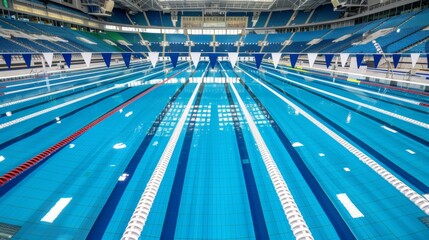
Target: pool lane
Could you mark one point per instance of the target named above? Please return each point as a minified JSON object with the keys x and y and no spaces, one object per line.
{"x":393,"y":149}
{"x":85,"y":173}
{"x":337,"y":170}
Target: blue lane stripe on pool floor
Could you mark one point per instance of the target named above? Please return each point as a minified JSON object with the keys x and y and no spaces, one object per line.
{"x":170,"y":221}
{"x":259,"y":224}
{"x":104,"y":217}
{"x":332,"y":213}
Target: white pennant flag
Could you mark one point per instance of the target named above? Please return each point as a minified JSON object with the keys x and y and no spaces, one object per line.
{"x":414,"y":58}
{"x":195,"y":56}
{"x":344,"y":57}
{"x":153,"y":56}
{"x":87,"y":58}
{"x":276,"y":58}
{"x":233,"y":57}
{"x":48,"y":57}
{"x":311,"y":58}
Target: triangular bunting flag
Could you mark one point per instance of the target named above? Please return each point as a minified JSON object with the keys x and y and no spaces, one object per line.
{"x":173,"y":58}
{"x":377,"y":58}
{"x":213,"y":59}
{"x":311,"y":58}
{"x":86,"y":57}
{"x":107,"y":57}
{"x":153,"y":56}
{"x":127,"y":58}
{"x":396,"y":57}
{"x":195,"y":56}
{"x":344,"y":57}
{"x":276,"y":58}
{"x":48,"y":57}
{"x":67,"y":58}
{"x":233,"y":57}
{"x":27,"y":59}
{"x":328,"y":59}
{"x":7,"y":59}
{"x":414,"y":59}
{"x":293,"y":59}
{"x":359,"y":59}
{"x":258,"y":59}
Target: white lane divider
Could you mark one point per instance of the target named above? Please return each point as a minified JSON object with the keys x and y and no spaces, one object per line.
{"x":68,"y":89}
{"x":141,"y":212}
{"x":296,"y":220}
{"x":385,"y":112}
{"x":293,"y":214}
{"x":24,"y":118}
{"x":64,"y":77}
{"x":353,"y":88}
{"x":407,"y":191}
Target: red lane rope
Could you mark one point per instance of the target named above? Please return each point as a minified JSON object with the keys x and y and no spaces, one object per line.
{"x":53,"y":149}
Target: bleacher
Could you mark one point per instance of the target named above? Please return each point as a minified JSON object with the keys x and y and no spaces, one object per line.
{"x":177,"y":43}
{"x":251,"y":42}
{"x":300,"y":18}
{"x":154,"y":18}
{"x":324,"y":13}
{"x":262,"y":19}
{"x":139,"y":19}
{"x":201,"y":43}
{"x":119,"y":16}
{"x":279,"y":18}
{"x":275,"y":41}
{"x":226,"y":43}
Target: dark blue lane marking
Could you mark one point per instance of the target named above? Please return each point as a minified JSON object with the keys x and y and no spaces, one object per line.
{"x":46,"y":124}
{"x":63,"y":96}
{"x":384,"y":160}
{"x":259,"y":224}
{"x":170,"y":221}
{"x":109,"y":208}
{"x":332,"y":213}
{"x":15,"y":181}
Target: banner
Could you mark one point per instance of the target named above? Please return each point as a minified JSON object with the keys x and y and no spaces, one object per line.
{"x":414,"y":59}
{"x":67,"y":58}
{"x":173,"y":58}
{"x":127,"y":58}
{"x":344,"y":57}
{"x":27,"y":59}
{"x":107,"y":57}
{"x":276,"y":58}
{"x":8,"y":59}
{"x":377,"y":58}
{"x":258,"y":59}
{"x":359,"y":59}
{"x":87,"y":58}
{"x":396,"y":57}
{"x":328,"y":59}
{"x":293,"y":59}
{"x":213,"y":59}
{"x":233,"y":57}
{"x":311,"y":58}
{"x":48,"y":57}
{"x":195,"y":56}
{"x":153,"y":56}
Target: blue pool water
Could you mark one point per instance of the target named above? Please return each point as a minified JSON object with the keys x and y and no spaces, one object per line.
{"x":216,"y":185}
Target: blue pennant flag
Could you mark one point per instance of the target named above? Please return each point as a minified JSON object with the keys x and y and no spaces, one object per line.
{"x":173,"y":58}
{"x":258,"y":59}
{"x":126,"y":57}
{"x":359,"y":59}
{"x":8,"y":59}
{"x":67,"y":58}
{"x":293,"y":59}
{"x":27,"y":59}
{"x":377,"y":58}
{"x":107,"y":57}
{"x":213,"y":59}
{"x":396,"y":57}
{"x":328,"y":59}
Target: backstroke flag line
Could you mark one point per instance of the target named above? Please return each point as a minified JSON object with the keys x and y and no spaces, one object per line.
{"x":414,"y":58}
{"x":153,"y":56}
{"x":344,"y":57}
{"x":276,"y":58}
{"x":311,"y":58}
{"x":233,"y":57}
{"x":87,"y":58}
{"x":48,"y":57}
{"x":195,"y":56}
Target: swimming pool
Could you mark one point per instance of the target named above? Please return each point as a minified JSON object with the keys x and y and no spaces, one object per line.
{"x":217,"y":153}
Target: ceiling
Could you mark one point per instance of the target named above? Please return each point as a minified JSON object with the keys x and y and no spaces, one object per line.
{"x":219,"y":5}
